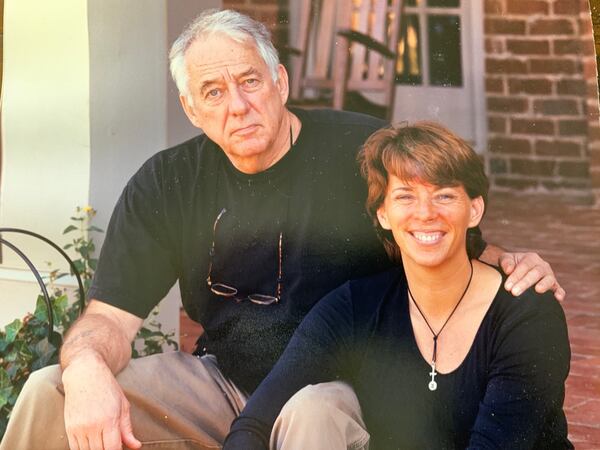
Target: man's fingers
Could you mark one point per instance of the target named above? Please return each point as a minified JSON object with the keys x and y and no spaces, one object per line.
{"x":94,"y":440}
{"x":507,"y":263}
{"x":522,"y":279}
{"x":73,"y":444}
{"x":112,"y":439}
{"x":127,"y":430}
{"x":549,"y":283}
{"x":82,"y":443}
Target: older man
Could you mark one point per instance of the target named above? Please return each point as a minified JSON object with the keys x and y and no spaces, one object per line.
{"x":257,"y":219}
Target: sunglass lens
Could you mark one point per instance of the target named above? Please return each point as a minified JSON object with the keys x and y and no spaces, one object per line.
{"x":223,"y":290}
{"x":261,"y":299}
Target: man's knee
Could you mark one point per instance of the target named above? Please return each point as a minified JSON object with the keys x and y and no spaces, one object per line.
{"x":42,"y":385}
{"x":322,"y":402}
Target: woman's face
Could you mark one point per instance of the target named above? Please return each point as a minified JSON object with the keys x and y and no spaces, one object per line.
{"x":429,"y":223}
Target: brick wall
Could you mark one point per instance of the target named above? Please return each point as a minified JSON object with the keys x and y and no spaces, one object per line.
{"x":542,"y":96}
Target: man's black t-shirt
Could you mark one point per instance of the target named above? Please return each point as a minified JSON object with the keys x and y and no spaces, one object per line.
{"x":162,"y":229}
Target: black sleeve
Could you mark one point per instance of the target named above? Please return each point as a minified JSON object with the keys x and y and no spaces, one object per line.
{"x":137,"y":266}
{"x":315,"y":354}
{"x":522,"y":406}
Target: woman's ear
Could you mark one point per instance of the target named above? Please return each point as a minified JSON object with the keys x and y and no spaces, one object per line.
{"x":477,"y":209}
{"x":382,"y":218}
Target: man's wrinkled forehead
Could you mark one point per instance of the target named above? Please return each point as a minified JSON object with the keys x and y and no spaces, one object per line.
{"x":219,"y":56}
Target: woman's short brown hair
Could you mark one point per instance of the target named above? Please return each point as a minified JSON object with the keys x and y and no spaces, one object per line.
{"x":425,"y":151}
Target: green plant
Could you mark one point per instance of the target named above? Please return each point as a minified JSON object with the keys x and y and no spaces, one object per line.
{"x":24,"y":345}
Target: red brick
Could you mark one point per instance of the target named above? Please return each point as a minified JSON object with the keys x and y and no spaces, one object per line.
{"x":497,"y":124}
{"x":504,"y":26}
{"x":568,"y":47}
{"x":504,"y":66}
{"x":527,"y":47}
{"x":567,"y":183}
{"x":529,"y":167}
{"x":498,"y":166}
{"x":536,"y":86}
{"x":532,"y":126}
{"x":566,"y":66}
{"x":585,"y":27}
{"x":594,"y":132}
{"x":590,"y":69}
{"x":561,"y":107}
{"x":527,"y":7}
{"x":504,"y":145}
{"x":587,"y":47}
{"x":572,"y":87}
{"x":592,"y":91}
{"x":575,"y":169}
{"x":507,"y":104}
{"x":573,"y":127}
{"x":515,"y":183}
{"x":493,"y":7}
{"x":566,"y":7}
{"x":494,"y":46}
{"x":557,"y":148}
{"x":494,"y":85}
{"x":552,"y":26}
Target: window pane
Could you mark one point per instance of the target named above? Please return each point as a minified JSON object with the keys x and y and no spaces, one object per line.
{"x":445,"y":62}
{"x":411,"y":3}
{"x":408,"y":65}
{"x":444,"y":3}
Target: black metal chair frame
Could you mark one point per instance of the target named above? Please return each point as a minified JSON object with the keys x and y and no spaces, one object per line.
{"x":37,"y":275}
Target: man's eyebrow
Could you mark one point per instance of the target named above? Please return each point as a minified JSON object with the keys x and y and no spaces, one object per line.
{"x":245,"y":73}
{"x":208,"y":83}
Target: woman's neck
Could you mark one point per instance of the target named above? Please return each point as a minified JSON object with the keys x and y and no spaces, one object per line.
{"x":437,"y":289}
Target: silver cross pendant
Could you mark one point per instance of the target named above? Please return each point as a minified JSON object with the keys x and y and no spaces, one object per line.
{"x":433,"y":373}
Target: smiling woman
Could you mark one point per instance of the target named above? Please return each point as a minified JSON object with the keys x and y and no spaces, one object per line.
{"x":438,"y":354}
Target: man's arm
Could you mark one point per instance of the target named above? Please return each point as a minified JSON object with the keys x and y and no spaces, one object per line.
{"x":524,"y":270}
{"x":96,"y":348}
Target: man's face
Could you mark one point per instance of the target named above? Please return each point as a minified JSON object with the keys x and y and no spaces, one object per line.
{"x":236,"y":102}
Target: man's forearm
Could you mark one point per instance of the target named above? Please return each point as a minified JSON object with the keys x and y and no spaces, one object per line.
{"x":491,"y":254}
{"x":104,"y":333}
{"x":95,"y":335}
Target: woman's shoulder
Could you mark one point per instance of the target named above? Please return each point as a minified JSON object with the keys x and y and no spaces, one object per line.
{"x":530,"y":315}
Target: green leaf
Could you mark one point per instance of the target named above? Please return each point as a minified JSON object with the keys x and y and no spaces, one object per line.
{"x":5,"y":387}
{"x":70,"y":227}
{"x":93,"y":228}
{"x":78,"y":219}
{"x":45,"y":352}
{"x":67,"y":246}
{"x":41,"y":310}
{"x":12,"y":329}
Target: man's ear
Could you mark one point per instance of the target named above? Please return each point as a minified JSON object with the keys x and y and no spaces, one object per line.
{"x":383,"y":218}
{"x":282,"y":83}
{"x":189,"y":110}
{"x":477,"y":209}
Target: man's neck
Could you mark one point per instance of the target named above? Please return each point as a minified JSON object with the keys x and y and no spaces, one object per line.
{"x":288,"y":133}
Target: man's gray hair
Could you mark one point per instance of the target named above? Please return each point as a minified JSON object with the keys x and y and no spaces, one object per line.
{"x":233,"y":24}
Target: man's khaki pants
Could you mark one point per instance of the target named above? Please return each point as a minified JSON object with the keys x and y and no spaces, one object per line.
{"x":179,"y":401}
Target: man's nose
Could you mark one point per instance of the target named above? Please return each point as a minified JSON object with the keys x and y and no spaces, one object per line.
{"x":238,"y":103}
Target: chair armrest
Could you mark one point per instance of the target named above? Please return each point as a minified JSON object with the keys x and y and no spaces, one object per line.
{"x":367,"y":41}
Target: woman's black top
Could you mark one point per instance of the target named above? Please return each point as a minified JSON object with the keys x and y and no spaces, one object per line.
{"x":508,"y":392}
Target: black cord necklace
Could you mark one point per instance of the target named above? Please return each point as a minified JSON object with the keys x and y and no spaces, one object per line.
{"x":433,"y":373}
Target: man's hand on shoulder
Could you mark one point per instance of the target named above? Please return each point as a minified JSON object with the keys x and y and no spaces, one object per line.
{"x":528,"y":269}
{"x":96,"y":410}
